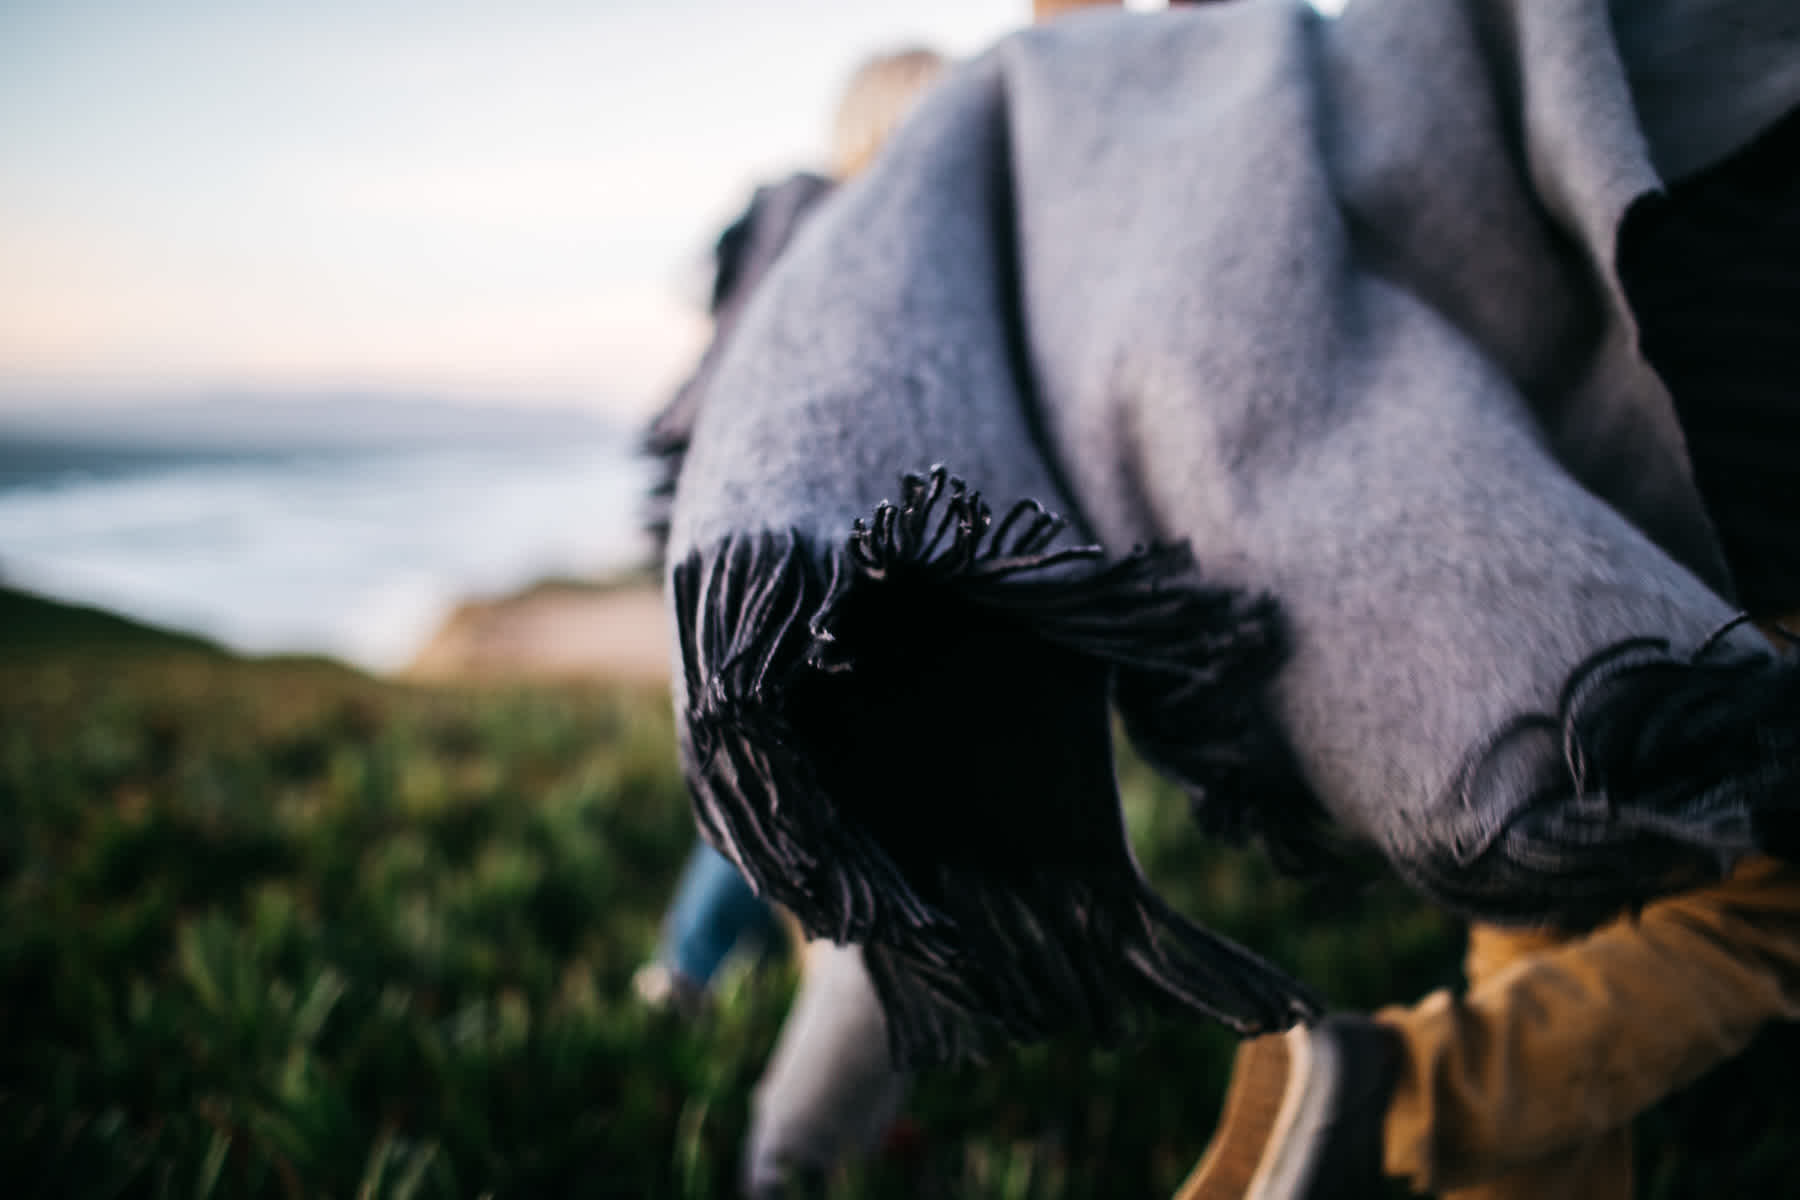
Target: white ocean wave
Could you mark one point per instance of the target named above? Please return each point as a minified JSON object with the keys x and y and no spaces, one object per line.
{"x":355,"y":554}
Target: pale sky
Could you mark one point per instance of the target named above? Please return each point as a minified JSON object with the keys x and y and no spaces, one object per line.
{"x":505,"y":200}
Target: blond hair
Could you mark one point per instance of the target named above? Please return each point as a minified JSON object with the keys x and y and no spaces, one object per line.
{"x":1049,"y":10}
{"x":880,"y":95}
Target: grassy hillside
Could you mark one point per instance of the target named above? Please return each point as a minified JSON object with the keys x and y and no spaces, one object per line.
{"x":33,"y":625}
{"x":276,"y":928}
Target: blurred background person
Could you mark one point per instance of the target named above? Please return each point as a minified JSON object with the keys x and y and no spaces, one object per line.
{"x":714,"y":911}
{"x":830,"y":1089}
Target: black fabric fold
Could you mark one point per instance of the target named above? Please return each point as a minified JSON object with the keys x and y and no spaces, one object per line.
{"x":1243,"y":783}
{"x":906,"y":740}
{"x":1712,"y":269}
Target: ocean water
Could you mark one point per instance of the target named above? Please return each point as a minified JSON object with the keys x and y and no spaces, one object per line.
{"x":355,"y":553}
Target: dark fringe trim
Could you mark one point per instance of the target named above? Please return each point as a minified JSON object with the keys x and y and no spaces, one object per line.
{"x":1656,"y":773}
{"x":1190,"y":663}
{"x":907,"y":743}
{"x":666,"y":442}
{"x":1067,"y":954}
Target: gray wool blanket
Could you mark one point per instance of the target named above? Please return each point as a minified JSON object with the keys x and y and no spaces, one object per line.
{"x":1279,"y":384}
{"x":743,"y":254}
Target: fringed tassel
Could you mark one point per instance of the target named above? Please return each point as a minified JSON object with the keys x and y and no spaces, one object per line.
{"x":1069,"y":954}
{"x":906,"y":741}
{"x":1190,"y":664}
{"x":1656,"y":773}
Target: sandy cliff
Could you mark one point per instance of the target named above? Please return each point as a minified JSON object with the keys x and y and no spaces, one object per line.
{"x":552,"y":631}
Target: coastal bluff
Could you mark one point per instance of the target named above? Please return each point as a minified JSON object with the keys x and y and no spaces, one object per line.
{"x":560,"y":630}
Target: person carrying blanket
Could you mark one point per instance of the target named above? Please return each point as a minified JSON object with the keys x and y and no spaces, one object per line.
{"x":830,"y":1089}
{"x":1330,"y":399}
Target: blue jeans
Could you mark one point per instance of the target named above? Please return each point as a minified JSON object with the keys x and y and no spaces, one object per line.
{"x":713,"y":912}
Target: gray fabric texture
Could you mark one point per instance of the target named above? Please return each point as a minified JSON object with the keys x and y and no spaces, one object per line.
{"x":1333,"y":303}
{"x":745,"y":251}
